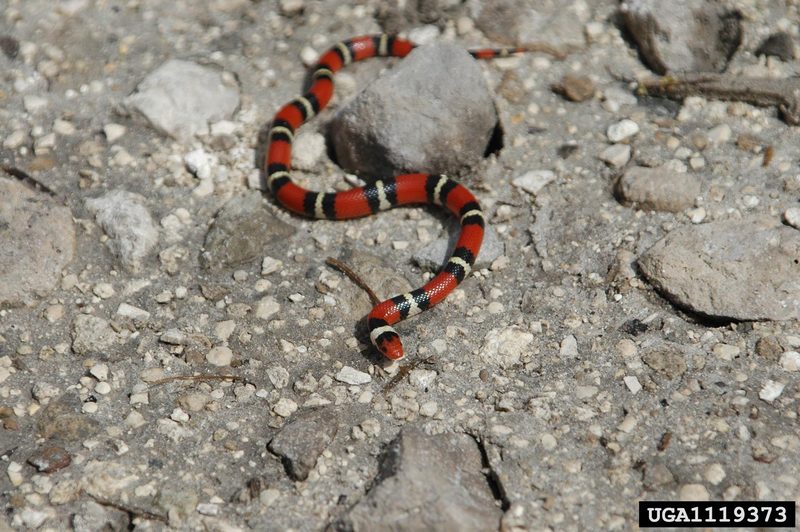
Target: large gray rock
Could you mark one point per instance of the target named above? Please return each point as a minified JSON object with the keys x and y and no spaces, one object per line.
{"x":125,"y":219}
{"x":243,"y":231}
{"x":37,"y":240}
{"x":741,"y":269}
{"x":180,"y":98}
{"x":418,"y":117}
{"x":658,"y":189}
{"x":683,"y":35}
{"x":301,"y":441}
{"x":432,"y":483}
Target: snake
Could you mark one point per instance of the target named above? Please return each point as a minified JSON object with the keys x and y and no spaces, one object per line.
{"x":380,"y":194}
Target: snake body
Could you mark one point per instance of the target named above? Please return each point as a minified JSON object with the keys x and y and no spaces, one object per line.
{"x":406,"y":189}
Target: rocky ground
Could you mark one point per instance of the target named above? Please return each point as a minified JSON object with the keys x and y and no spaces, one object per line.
{"x":175,"y":353}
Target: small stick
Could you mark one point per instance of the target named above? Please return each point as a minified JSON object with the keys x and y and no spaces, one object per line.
{"x":765,"y":92}
{"x":403,"y":371}
{"x":199,"y":378}
{"x":342,"y":267}
{"x":130,"y":510}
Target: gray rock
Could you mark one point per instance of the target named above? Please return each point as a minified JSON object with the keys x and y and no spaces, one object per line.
{"x":658,"y":189}
{"x":91,"y":334}
{"x":93,"y":516}
{"x":180,"y":98}
{"x":740,"y":269}
{"x":243,"y":231}
{"x":418,"y":117}
{"x":683,"y":35}
{"x":657,"y":475}
{"x":432,"y":483}
{"x":516,"y":22}
{"x":300,"y":442}
{"x":126,"y":220}
{"x":37,"y":240}
{"x":433,"y":256}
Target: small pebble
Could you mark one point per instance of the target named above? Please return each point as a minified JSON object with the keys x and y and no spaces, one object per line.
{"x":771,"y":391}
{"x":220,"y":356}
{"x":103,"y":290}
{"x":352,"y":376}
{"x":622,"y":130}
{"x":103,"y":388}
{"x":114,"y":132}
{"x":693,"y":492}
{"x":616,"y":155}
{"x":792,"y":217}
{"x":720,"y":134}
{"x":632,"y":383}
{"x":790,"y":361}
{"x":714,"y":474}
{"x":534,"y":181}
{"x":285,"y":407}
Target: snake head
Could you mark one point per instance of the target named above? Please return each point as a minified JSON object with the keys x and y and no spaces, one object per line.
{"x":387,"y":341}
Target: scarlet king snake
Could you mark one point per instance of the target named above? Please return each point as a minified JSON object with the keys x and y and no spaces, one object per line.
{"x":381,"y":195}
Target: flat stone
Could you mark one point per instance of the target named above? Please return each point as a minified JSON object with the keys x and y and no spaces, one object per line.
{"x":180,"y":98}
{"x":683,"y":35}
{"x":50,"y":459}
{"x":739,"y":269}
{"x":126,"y":220}
{"x":301,"y":441}
{"x":658,"y":189}
{"x":417,"y":117}
{"x":93,"y":516}
{"x":377,"y":273}
{"x":37,"y":240}
{"x":504,"y":346}
{"x":415,"y":466}
{"x":242,"y":231}
{"x":667,"y":359}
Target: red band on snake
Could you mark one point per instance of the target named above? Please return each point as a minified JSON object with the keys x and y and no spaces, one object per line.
{"x":406,"y":189}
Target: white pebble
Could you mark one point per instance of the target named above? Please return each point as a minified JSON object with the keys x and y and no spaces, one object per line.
{"x":285,"y":407}
{"x":771,"y":391}
{"x":719,"y":134}
{"x":632,"y":383}
{"x":428,"y":409}
{"x":135,"y":313}
{"x":200,"y":163}
{"x":63,"y":127}
{"x":622,"y":130}
{"x":569,"y":347}
{"x":267,"y":308}
{"x":693,"y":492}
{"x":114,"y":132}
{"x":270,"y":265}
{"x":790,"y":361}
{"x":103,"y":290}
{"x":179,"y":415}
{"x":616,"y":155}
{"x":103,"y":388}
{"x":534,"y":181}
{"x":99,"y":371}
{"x":350,"y":375}
{"x":219,"y":356}
{"x":715,"y":474}
{"x":792,"y":217}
